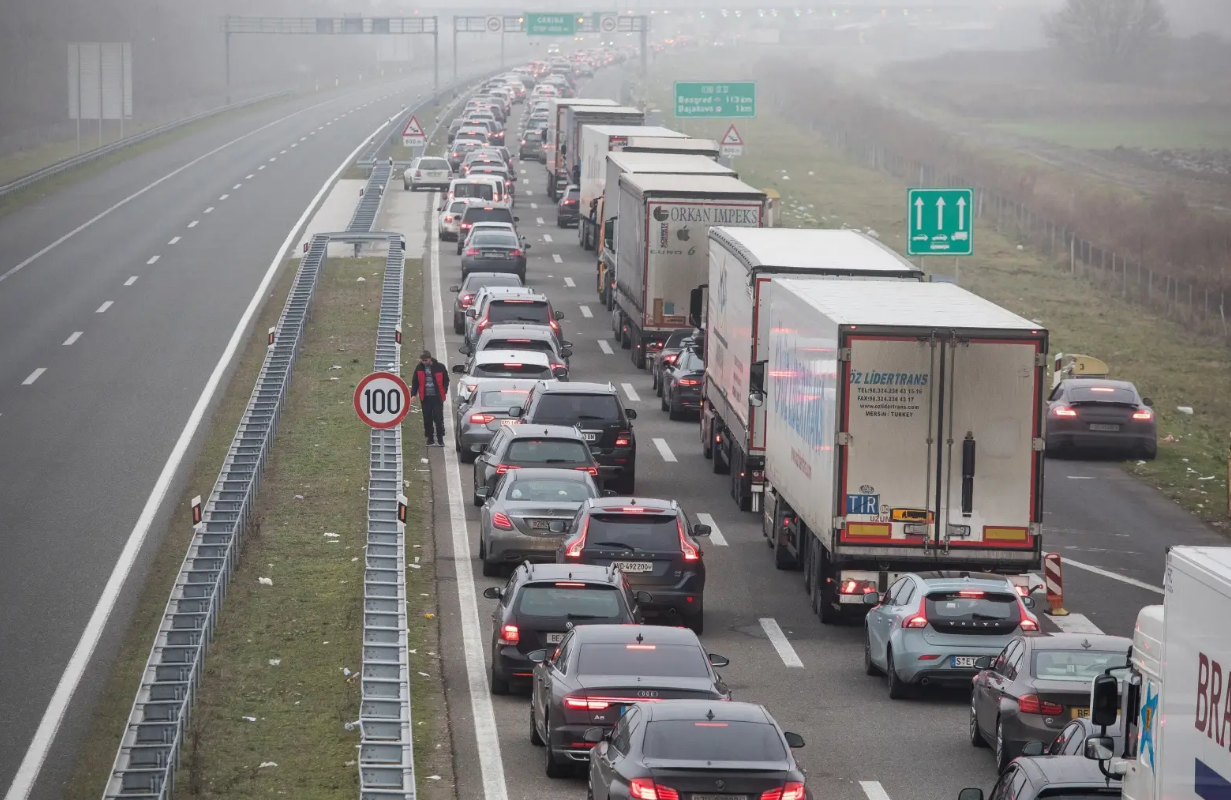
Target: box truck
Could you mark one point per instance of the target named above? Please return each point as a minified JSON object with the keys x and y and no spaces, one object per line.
{"x":568,"y":155}
{"x":743,"y":262}
{"x":596,"y":142}
{"x":555,"y":125}
{"x":903,"y":432}
{"x":642,"y":163}
{"x":1175,"y":701}
{"x":684,"y":147}
{"x":661,"y":252}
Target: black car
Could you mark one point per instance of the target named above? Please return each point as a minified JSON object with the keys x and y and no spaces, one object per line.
{"x":596,"y":409}
{"x":541,"y":603}
{"x":654,"y":543}
{"x":495,"y":251}
{"x":666,"y":357}
{"x":478,"y":213}
{"x":470,"y":287}
{"x":599,"y":671}
{"x":531,"y":146}
{"x":1057,"y":777}
{"x":682,"y":392}
{"x":566,"y":210}
{"x":516,"y":446}
{"x":687,"y":748}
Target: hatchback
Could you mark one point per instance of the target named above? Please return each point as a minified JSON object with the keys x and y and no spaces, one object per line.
{"x":477,"y":213}
{"x":531,"y":146}
{"x":1053,"y":778}
{"x":531,"y":308}
{"x":495,"y":251}
{"x":451,"y":218}
{"x":517,"y":446}
{"x":483,"y":410}
{"x":662,"y":360}
{"x":508,"y":364}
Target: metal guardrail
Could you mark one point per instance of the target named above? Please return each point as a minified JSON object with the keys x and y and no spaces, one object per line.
{"x":128,"y":141}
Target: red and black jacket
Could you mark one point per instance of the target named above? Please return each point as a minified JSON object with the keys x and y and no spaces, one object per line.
{"x":439,"y":374}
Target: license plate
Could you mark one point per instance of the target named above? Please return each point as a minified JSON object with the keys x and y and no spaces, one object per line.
{"x":720,"y":797}
{"x":635,"y":566}
{"x":963,"y":661}
{"x":1081,"y":713}
{"x":508,"y":423}
{"x":540,"y":524}
{"x":589,"y":436}
{"x":1095,"y":426}
{"x":555,"y":638}
{"x":493,"y":254}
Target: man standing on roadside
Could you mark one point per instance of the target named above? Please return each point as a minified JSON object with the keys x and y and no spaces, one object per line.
{"x":431,"y":384}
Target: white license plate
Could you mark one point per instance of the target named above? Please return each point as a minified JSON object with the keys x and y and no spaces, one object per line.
{"x":635,"y":566}
{"x":963,"y":661}
{"x":720,"y":797}
{"x":508,"y":423}
{"x":589,"y":437}
{"x":555,"y":638}
{"x":1095,"y":426}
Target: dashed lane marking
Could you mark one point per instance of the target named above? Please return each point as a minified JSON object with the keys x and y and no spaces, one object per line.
{"x":75,"y":336}
{"x":664,"y":450}
{"x":34,"y":376}
{"x":715,"y":536}
{"x":778,"y":639}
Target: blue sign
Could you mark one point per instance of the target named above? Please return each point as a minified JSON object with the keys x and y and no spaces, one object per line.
{"x":1208,"y":784}
{"x":863,"y":504}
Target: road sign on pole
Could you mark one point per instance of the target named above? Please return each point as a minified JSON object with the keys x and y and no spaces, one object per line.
{"x":412,"y":134}
{"x":607,"y":23}
{"x":382,"y":400}
{"x":493,"y":23}
{"x":732,"y":144}
{"x":551,"y":24}
{"x":716,"y":99}
{"x":940,"y":222}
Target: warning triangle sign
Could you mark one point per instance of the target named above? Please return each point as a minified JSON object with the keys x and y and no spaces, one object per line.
{"x":732,"y":137}
{"x":413,"y":129}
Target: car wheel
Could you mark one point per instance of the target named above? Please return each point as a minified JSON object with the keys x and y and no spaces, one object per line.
{"x":1002,"y":754}
{"x":1150,"y":452}
{"x":492,"y":570}
{"x":498,"y":685}
{"x":897,"y":688}
{"x":658,"y":390}
{"x":663,"y":402}
{"x":405,"y":186}
{"x":976,"y":737}
{"x":535,"y":739}
{"x":482,"y":548}
{"x":869,"y":668}
{"x":459,"y":329}
{"x":551,"y":767}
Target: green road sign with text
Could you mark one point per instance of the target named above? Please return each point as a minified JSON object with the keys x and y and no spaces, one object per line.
{"x":551,"y":24}
{"x":715,"y":99}
{"x":940,"y":222}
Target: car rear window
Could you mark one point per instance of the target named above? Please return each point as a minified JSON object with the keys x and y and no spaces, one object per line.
{"x":550,"y":490}
{"x":512,"y":369}
{"x":518,"y":311}
{"x":536,"y":345}
{"x":972,"y":611}
{"x":569,"y":409}
{"x":690,"y":361}
{"x":1074,"y":665}
{"x":458,"y":206}
{"x":650,"y":532}
{"x":477,"y":214}
{"x":676,"y":338}
{"x":662,"y":660}
{"x":477,"y":189}
{"x":578,"y":601}
{"x":549,"y":451}
{"x":1102,"y":394}
{"x":703,"y":740}
{"x":573,"y":193}
{"x":533,"y":136}
{"x":494,"y":239}
{"x":433,"y":163}
{"x":502,"y":398}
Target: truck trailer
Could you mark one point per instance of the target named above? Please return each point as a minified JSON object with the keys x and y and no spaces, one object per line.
{"x":556,"y":118}
{"x":903,"y":433}
{"x":742,"y":263}
{"x":568,"y":155}
{"x":661,"y":249}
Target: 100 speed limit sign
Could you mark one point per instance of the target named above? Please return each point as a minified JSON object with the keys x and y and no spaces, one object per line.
{"x":382,"y":400}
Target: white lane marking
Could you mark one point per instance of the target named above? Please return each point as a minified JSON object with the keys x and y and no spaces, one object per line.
{"x":491,"y":761}
{"x":631,"y":391}
{"x":294,"y":144}
{"x":569,"y":282}
{"x":528,"y":193}
{"x":556,"y":258}
{"x":547,"y":237}
{"x":539,"y":220}
{"x":1074,"y":623}
{"x":606,"y":348}
{"x":194,"y":223}
{"x":174,"y":240}
{"x":236,"y":186}
{"x":715,"y":536}
{"x":1115,"y":576}
{"x":778,"y":639}
{"x":209,"y":210}
{"x":259,"y":168}
{"x":153,"y":260}
{"x":33,"y":377}
{"x":281,"y":154}
{"x":130,"y":281}
{"x":534,"y":205}
{"x":1080,"y":477}
{"x":250,"y":177}
{"x":303,"y":138}
{"x":664,"y":450}
{"x":523,"y":172}
{"x":103,"y":308}
{"x":224,"y":197}
{"x":76,"y":335}
{"x":272,"y":159}
{"x":586,"y":312}
{"x":874,"y":790}
{"x":44,"y":736}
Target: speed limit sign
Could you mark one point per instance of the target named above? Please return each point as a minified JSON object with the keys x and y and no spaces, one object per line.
{"x":382,"y":400}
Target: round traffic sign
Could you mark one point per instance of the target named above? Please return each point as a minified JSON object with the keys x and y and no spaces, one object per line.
{"x":494,"y":24}
{"x":608,"y":24}
{"x":382,"y":400}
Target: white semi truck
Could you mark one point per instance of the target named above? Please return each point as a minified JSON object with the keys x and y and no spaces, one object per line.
{"x":903,"y":433}
{"x":1176,"y":699}
{"x":743,"y":262}
{"x":576,"y":118}
{"x":556,"y":120}
{"x":661,"y":248}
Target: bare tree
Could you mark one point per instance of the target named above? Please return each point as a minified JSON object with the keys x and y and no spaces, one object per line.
{"x":1110,"y":39}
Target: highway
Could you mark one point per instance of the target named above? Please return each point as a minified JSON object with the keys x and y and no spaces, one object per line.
{"x":120,"y":297}
{"x":861,"y":745}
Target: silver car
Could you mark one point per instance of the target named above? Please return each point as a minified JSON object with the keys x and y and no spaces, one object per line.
{"x":528,"y":513}
{"x":451,"y":217}
{"x":930,"y":628}
{"x":485,"y":409}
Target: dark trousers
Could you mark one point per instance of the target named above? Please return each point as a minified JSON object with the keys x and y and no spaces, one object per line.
{"x":434,"y":417}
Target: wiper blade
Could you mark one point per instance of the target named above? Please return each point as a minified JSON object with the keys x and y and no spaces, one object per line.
{"x":586,"y":616}
{"x":590,"y":416}
{"x":619,"y":545}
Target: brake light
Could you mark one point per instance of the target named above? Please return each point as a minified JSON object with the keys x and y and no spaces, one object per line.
{"x":448,"y":217}
{"x":516,"y":254}
{"x":418,"y":174}
{"x":691,"y":553}
{"x":586,"y":703}
{"x":555,"y":326}
{"x":503,"y":468}
{"x":1063,"y":411}
{"x":671,"y":358}
{"x":633,"y":510}
{"x":969,"y":593}
{"x":467,"y":299}
{"x":575,"y":549}
{"x":513,"y":366}
{"x":623,"y":439}
{"x":502,"y":522}
{"x":1144,"y":414}
{"x":793,"y":790}
{"x":919,"y":619}
{"x":472,"y":251}
{"x":465,"y":224}
{"x":688,"y":382}
{"x":1103,"y":389}
{"x":483,"y":323}
{"x":509,"y":634}
{"x":571,"y":585}
{"x":1031,"y":704}
{"x":646,"y":789}
{"x":482,"y":419}
{"x":640,"y":647}
{"x":1028,"y":624}
{"x":592,"y":470}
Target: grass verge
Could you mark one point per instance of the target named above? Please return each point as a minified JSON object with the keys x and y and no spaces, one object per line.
{"x":1106,"y":134}
{"x":821,"y":188}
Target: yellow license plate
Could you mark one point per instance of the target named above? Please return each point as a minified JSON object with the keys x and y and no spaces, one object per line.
{"x":1081,"y":712}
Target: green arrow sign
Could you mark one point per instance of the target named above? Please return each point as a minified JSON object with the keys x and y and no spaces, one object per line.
{"x":940,"y":222}
{"x":552,"y":24}
{"x":715,"y":99}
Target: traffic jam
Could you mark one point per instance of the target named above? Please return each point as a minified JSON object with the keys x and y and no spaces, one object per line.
{"x":881,"y":435}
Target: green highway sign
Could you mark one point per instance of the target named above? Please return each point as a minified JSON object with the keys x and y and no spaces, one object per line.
{"x":715,"y":99}
{"x":552,"y":24}
{"x":940,"y":222}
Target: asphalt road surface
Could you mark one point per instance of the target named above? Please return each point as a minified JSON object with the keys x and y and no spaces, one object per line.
{"x":118,"y":297}
{"x":860,"y":744}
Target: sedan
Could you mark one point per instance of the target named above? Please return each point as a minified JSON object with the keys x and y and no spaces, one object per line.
{"x":477,"y":417}
{"x":523,"y":446}
{"x":1051,"y":777}
{"x":531,"y":148}
{"x":427,"y":173}
{"x":682,"y":392}
{"x":470,"y":287}
{"x":566,"y":210}
{"x":1094,"y":414}
{"x":600,"y":671}
{"x":528,"y":514}
{"x":665,"y":358}
{"x":1035,"y":686}
{"x":687,"y":748}
{"x":495,"y":251}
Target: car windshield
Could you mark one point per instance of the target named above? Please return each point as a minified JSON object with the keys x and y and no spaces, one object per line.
{"x":479,"y":189}
{"x":476,"y":214}
{"x":550,"y":490}
{"x":687,"y":740}
{"x":972,"y":606}
{"x":690,"y":362}
{"x":569,"y":409}
{"x":511,"y":369}
{"x":653,"y":533}
{"x":642,"y":660}
{"x":533,"y":137}
{"x":549,"y":451}
{"x":433,"y":163}
{"x":1073,"y":665}
{"x":518,"y":311}
{"x":495,"y":239}
{"x":563,"y":599}
{"x":1102,"y":394}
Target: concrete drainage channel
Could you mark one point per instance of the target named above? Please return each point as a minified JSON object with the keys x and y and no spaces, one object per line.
{"x":149,"y":751}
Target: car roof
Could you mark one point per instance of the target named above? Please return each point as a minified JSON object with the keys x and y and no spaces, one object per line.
{"x":582,"y":387}
{"x":502,"y":356}
{"x":723,"y":711}
{"x":1080,"y":641}
{"x":525,"y":431}
{"x":508,"y":291}
{"x":487,"y":223}
{"x":526,"y":293}
{"x":589,"y":573}
{"x":486,"y":275}
{"x":649,"y":634}
{"x":488,"y":208}
{"x":1062,"y":771}
{"x":604,"y":503}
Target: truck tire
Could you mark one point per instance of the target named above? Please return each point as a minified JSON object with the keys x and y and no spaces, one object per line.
{"x":826,"y":590}
{"x":783,"y":560}
{"x":707,"y":434}
{"x":721,"y":467}
{"x":638,"y":352}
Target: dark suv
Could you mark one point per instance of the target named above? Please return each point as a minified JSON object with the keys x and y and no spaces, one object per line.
{"x":516,"y":446}
{"x":607,"y":426}
{"x":651,"y":541}
{"x":477,"y":213}
{"x":542,"y":602}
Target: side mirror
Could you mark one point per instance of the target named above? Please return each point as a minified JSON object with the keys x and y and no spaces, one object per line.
{"x":526,"y":246}
{"x":719,"y":661}
{"x":515,"y":412}
{"x":558,"y":314}
{"x":871,"y":598}
{"x":594,"y":735}
{"x":1028,"y":601}
{"x":466,"y":350}
{"x":1032,"y":749}
{"x":631,"y":413}
{"x":793,"y":740}
{"x":566,"y":352}
{"x":455,"y":289}
{"x":1147,"y":402}
{"x":983,"y":662}
{"x":537,"y":656}
{"x":460,"y":369}
{"x":1104,"y":700}
{"x":481,"y":492}
{"x":700,"y":530}
{"x":492,"y":592}
{"x":756,"y":399}
{"x":517,"y":219}
{"x":970,"y":794}
{"x":473,"y":313}
{"x":643,"y":598}
{"x":1100,"y":748}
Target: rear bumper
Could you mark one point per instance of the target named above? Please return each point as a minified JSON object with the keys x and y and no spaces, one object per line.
{"x":567,"y":741}
{"x":1021,"y":728}
{"x":512,"y":546}
{"x":475,"y":439}
{"x":670,"y":603}
{"x":416,"y":186}
{"x":511,"y":665}
{"x":1096,"y":440}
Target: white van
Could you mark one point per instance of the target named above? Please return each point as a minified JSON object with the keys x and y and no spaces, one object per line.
{"x":489,"y":189}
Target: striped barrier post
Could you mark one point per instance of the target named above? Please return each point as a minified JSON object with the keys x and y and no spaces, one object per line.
{"x":1053,"y":578}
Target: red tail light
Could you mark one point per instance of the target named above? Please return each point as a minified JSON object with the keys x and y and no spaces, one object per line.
{"x":646,"y":789}
{"x":688,"y":382}
{"x":503,"y":523}
{"x":919,"y":619}
{"x":509,"y":634}
{"x":516,"y":254}
{"x":503,"y":468}
{"x":586,"y":703}
{"x":483,"y":323}
{"x":467,"y":299}
{"x":1144,"y":414}
{"x":592,"y":470}
{"x":623,"y":439}
{"x":576,"y":548}
{"x":1031,"y":704}
{"x":472,"y":251}
{"x":1063,"y":411}
{"x":691,"y":553}
{"x":791,"y":791}
{"x":555,"y":326}
{"x":671,"y":358}
{"x":482,"y":419}
{"x":1028,"y":624}
{"x":970,"y":593}
{"x":448,"y":217}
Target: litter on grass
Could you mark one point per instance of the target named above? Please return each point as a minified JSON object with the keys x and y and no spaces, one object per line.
{"x":266,"y":581}
{"x":250,"y":719}
{"x":267,"y":764}
{"x":273,"y":662}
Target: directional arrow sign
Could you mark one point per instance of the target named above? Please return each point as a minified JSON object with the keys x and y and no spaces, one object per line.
{"x":940,"y":222}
